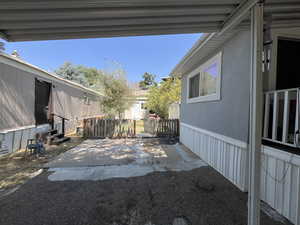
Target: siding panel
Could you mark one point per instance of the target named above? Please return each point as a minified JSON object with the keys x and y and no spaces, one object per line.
{"x":226,"y":157}
{"x":280,"y":182}
{"x":280,"y":171}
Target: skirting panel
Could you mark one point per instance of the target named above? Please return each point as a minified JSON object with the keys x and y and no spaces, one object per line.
{"x":14,"y":140}
{"x":280,"y":170}
{"x":280,"y":182}
{"x":228,"y":156}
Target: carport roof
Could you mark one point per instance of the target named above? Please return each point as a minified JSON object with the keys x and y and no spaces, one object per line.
{"x":62,"y":19}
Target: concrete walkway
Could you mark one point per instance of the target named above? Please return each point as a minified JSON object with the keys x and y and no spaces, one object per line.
{"x":110,"y":158}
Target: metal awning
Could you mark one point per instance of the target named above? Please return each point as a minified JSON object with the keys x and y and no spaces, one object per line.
{"x":63,"y":19}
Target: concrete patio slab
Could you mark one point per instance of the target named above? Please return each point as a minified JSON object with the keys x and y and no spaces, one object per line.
{"x":111,"y":158}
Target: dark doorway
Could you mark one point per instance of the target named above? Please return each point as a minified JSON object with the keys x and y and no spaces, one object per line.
{"x":42,"y":97}
{"x":288,"y":74}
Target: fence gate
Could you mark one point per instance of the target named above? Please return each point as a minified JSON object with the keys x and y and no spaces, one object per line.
{"x":112,"y":128}
{"x":162,"y":127}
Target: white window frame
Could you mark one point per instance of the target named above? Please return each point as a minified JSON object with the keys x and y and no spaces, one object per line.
{"x":212,"y":97}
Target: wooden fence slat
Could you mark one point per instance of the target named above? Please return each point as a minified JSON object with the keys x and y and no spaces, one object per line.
{"x":102,"y":128}
{"x":162,"y":128}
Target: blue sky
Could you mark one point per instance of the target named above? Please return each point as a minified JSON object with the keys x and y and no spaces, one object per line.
{"x":153,"y":54}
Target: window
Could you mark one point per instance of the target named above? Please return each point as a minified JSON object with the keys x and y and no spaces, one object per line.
{"x":204,"y":83}
{"x":194,"y":86}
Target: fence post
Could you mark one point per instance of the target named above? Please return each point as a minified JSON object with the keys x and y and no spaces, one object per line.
{"x":84,"y":128}
{"x":104,"y":131}
{"x":177,"y":128}
{"x":134,"y":128}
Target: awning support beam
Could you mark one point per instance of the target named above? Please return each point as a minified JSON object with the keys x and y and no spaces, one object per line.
{"x":237,"y":16}
{"x":256,"y":112}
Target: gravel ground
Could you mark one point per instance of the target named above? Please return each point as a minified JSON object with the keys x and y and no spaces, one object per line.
{"x":201,"y":196}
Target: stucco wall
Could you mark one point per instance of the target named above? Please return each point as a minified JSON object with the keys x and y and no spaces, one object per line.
{"x":230,"y":115}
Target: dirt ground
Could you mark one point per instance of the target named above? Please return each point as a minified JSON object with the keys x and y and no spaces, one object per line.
{"x":198,"y":196}
{"x":15,"y":169}
{"x":201,"y":197}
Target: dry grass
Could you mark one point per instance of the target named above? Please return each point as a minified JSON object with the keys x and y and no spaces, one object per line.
{"x":15,"y":169}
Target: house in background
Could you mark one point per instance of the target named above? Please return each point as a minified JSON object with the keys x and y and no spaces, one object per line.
{"x":215,"y":107}
{"x":174,"y":111}
{"x":33,"y":100}
{"x":137,"y":110}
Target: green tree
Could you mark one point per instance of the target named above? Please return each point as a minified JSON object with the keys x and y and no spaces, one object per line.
{"x":160,"y":97}
{"x":112,"y":83}
{"x":92,"y":75}
{"x":148,"y":81}
{"x":117,"y":93}
{"x":72,"y":72}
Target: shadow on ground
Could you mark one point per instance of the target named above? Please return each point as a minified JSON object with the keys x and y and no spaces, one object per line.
{"x":200,"y":196}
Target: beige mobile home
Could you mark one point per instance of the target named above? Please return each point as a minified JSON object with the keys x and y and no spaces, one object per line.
{"x":32,"y":100}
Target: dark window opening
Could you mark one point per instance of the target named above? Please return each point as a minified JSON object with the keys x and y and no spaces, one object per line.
{"x":194,"y":86}
{"x":42,"y":97}
{"x":288,"y":74}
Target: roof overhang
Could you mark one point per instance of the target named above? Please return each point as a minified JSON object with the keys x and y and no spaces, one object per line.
{"x":53,"y":19}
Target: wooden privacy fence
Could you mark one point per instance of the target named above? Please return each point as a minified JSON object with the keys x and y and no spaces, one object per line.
{"x":112,"y":128}
{"x":115,"y":128}
{"x":162,"y":127}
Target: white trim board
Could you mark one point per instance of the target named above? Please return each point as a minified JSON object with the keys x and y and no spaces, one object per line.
{"x":230,"y":140}
{"x":16,"y":129}
{"x":6,"y":131}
